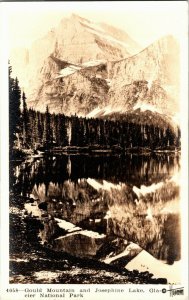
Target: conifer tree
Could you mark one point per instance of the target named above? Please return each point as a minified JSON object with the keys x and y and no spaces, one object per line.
{"x":14,"y":112}
{"x":12,"y":134}
{"x":25,"y":123}
{"x":47,"y":134}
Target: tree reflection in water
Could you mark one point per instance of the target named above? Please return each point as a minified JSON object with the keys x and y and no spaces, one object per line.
{"x":134,"y":197}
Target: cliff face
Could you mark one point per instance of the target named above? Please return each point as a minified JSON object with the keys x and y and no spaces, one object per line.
{"x":81,"y":67}
{"x":70,"y":90}
{"x":75,"y":39}
{"x":150,"y":77}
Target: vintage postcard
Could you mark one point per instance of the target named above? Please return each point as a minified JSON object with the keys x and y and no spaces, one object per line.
{"x":94,"y":156}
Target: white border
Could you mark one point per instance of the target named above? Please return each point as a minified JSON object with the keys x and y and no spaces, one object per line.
{"x":5,"y":8}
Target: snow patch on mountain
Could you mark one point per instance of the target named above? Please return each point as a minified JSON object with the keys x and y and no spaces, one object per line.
{"x":146,"y":106}
{"x":94,"y":112}
{"x":100,"y":112}
{"x":74,"y":68}
{"x":67,"y":71}
{"x":93,"y":63}
{"x":109,"y":109}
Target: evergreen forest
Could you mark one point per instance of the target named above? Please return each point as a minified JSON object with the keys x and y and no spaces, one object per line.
{"x":30,"y":129}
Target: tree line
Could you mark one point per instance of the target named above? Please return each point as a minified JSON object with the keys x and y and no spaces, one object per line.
{"x":50,"y":130}
{"x":30,"y":129}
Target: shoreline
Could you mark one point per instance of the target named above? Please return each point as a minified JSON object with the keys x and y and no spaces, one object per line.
{"x":29,"y":259}
{"x":20,"y":155}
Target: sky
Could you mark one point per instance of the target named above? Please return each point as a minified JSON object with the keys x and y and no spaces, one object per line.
{"x":144,"y":21}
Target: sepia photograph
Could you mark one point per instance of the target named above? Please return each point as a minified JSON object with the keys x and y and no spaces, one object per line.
{"x":96,"y":129}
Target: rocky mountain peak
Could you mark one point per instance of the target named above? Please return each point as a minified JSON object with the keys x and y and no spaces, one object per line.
{"x":76,"y":40}
{"x":82,"y":67}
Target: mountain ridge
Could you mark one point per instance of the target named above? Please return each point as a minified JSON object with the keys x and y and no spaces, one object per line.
{"x":87,"y":81}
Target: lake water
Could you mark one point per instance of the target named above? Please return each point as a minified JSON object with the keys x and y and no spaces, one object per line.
{"x":105,"y":202}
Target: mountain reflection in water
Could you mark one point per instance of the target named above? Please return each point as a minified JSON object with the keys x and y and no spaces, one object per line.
{"x":135,"y":197}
